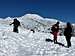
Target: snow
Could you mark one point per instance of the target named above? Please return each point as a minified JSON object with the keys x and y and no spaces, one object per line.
{"x":27,"y":43}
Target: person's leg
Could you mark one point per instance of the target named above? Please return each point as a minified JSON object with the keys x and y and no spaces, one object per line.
{"x":15,"y":29}
{"x":67,"y":41}
{"x":55,"y":38}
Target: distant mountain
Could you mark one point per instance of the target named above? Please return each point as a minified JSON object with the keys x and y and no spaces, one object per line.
{"x":33,"y":21}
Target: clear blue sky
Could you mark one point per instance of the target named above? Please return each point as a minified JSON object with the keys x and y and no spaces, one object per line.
{"x":62,"y":9}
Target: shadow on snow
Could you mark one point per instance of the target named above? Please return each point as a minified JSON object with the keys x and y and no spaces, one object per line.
{"x":50,"y":40}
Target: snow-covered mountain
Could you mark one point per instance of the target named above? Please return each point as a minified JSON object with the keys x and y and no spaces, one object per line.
{"x":27,"y":43}
{"x":33,"y":21}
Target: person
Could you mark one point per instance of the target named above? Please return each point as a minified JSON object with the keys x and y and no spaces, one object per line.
{"x":67,"y":33}
{"x":15,"y":23}
{"x":55,"y":30}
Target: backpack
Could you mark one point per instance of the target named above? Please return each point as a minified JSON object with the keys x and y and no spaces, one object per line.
{"x":52,"y":28}
{"x":18,"y":23}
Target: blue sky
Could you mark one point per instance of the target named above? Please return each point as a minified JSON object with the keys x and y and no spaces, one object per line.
{"x":61,"y":9}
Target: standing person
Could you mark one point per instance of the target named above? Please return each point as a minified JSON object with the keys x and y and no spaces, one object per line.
{"x":55,"y":30}
{"x":16,"y":23}
{"x":67,"y":33}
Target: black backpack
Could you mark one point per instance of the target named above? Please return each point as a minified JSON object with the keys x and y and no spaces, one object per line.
{"x":18,"y":23}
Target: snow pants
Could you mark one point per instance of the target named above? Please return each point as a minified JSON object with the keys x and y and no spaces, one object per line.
{"x":68,"y":38}
{"x":15,"y":29}
{"x":55,"y":36}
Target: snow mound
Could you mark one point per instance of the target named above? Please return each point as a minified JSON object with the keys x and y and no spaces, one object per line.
{"x":27,"y":43}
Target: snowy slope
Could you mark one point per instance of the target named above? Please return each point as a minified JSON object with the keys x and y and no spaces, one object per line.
{"x":27,"y":43}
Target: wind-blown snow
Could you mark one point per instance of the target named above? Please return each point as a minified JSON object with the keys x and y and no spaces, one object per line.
{"x":27,"y":43}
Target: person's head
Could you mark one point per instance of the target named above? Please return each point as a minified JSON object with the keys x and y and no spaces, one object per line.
{"x":58,"y":22}
{"x":15,"y":19}
{"x":68,"y":24}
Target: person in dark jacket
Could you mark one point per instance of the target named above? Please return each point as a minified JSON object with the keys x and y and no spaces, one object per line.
{"x":15,"y":23}
{"x":55,"y":30}
{"x":67,"y":33}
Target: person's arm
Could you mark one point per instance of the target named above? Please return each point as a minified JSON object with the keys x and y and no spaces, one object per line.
{"x":64,"y":31}
{"x":71,"y":30}
{"x":11,"y":23}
